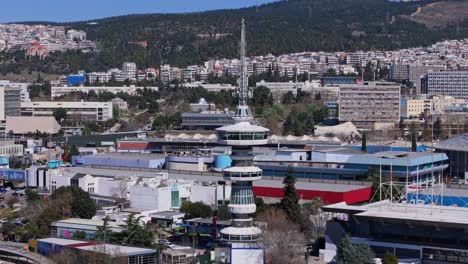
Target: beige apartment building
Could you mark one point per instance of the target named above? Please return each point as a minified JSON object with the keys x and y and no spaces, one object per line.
{"x":413,"y":108}
{"x":370,"y":105}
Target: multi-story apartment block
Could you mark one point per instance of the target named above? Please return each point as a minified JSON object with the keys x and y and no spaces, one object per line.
{"x":413,"y":108}
{"x":129,"y":70}
{"x":99,"y":77}
{"x":22,"y":86}
{"x":90,"y":111}
{"x":369,"y":103}
{"x":10,"y":101}
{"x":453,"y":83}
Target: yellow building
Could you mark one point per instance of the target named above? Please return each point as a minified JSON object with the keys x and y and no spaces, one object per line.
{"x":413,"y":108}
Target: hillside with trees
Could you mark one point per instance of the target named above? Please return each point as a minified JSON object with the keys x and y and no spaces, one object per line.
{"x":279,"y":27}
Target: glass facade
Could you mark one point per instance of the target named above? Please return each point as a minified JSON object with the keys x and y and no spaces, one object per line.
{"x":242,"y":195}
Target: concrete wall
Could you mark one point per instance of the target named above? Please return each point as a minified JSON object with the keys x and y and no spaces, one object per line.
{"x":149,"y":198}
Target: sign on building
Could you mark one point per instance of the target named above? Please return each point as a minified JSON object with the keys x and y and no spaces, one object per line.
{"x":13,"y":175}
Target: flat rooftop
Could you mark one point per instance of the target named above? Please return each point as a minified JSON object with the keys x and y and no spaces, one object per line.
{"x":87,"y":222}
{"x":208,"y":221}
{"x":118,"y":250}
{"x":398,"y":158}
{"x":301,"y":185}
{"x":422,"y":213}
{"x":127,"y":155}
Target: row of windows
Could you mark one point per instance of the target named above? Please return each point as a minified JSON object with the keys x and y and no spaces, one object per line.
{"x":243,"y":175}
{"x":240,"y":237}
{"x":242,"y":135}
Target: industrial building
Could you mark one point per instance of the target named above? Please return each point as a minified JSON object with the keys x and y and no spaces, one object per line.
{"x":415,"y":233}
{"x":50,"y":246}
{"x":66,"y":228}
{"x":129,"y":160}
{"x":369,"y":104}
{"x":90,"y":111}
{"x":456,"y":149}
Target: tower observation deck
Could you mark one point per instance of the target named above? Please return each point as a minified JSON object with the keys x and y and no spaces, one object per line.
{"x":242,"y":137}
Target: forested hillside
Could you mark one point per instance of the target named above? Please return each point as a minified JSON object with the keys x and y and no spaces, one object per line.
{"x":280,"y":27}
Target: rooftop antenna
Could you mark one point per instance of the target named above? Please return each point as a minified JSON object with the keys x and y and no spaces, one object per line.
{"x":243,"y":112}
{"x":243,"y":75}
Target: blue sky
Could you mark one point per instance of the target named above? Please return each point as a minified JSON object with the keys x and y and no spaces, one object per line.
{"x":67,"y":10}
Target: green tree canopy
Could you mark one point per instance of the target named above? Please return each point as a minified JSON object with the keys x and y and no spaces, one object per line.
{"x":60,"y":114}
{"x":290,"y":201}
{"x":349,"y":253}
{"x":197,"y":209}
{"x":389,"y":258}
{"x":82,"y":206}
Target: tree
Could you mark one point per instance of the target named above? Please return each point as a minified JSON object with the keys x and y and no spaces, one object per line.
{"x":121,"y":190}
{"x":414,"y":144}
{"x":115,"y":112}
{"x":135,"y":234}
{"x":82,"y":206}
{"x":60,"y":114}
{"x":389,"y":258}
{"x":438,"y":128}
{"x":262,"y":96}
{"x":364,"y":142}
{"x":104,"y":233}
{"x":31,"y":195}
{"x":197,"y":209}
{"x":49,"y":215}
{"x":223,"y":213}
{"x":288,"y":98}
{"x":282,"y":239}
{"x":72,"y":151}
{"x":290,"y":202}
{"x":349,"y":253}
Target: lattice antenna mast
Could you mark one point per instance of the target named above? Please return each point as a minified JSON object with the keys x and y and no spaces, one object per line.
{"x":243,"y":82}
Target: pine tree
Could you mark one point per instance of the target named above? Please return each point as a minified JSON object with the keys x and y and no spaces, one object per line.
{"x":414,"y":144}
{"x":364,"y":142}
{"x":349,"y":253}
{"x":103,"y":232}
{"x":290,"y":202}
{"x":437,"y":128}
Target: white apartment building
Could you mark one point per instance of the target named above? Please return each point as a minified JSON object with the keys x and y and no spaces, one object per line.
{"x":441,"y":102}
{"x":453,"y":83}
{"x":129,"y":70}
{"x":10,"y":149}
{"x":120,"y":103}
{"x":91,"y":111}
{"x":57,"y":91}
{"x":278,"y":89}
{"x":99,"y":77}
{"x":22,"y":86}
{"x":369,"y":104}
{"x":210,"y":87}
